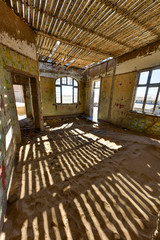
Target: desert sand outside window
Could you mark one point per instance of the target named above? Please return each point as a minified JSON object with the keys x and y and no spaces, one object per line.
{"x":66,"y":90}
{"x":147,"y":95}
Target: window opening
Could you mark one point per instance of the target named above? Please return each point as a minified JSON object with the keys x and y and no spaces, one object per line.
{"x":66,"y":90}
{"x":147,"y":96}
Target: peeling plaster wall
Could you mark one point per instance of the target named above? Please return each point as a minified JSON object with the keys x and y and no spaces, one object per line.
{"x":121,"y":106}
{"x":124,"y":85}
{"x":88,"y":97}
{"x":48,"y":99}
{"x":117,"y":90}
{"x":104,"y":73}
{"x":105,"y":94}
{"x":50,"y":71}
{"x":17,"y":53}
{"x":15,"y":34}
{"x":143,"y":58}
{"x":8,"y":118}
{"x":48,"y":75}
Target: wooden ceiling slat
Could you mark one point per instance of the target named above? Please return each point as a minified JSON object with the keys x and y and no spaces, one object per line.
{"x":35,"y":13}
{"x":89,"y":30}
{"x":79,"y":27}
{"x":57,"y":7}
{"x":43,"y":14}
{"x":31,"y":11}
{"x":74,"y":44}
{"x":15,"y":6}
{"x":127,"y":15}
{"x":46,"y":17}
{"x":72,"y":8}
{"x":8,"y":2}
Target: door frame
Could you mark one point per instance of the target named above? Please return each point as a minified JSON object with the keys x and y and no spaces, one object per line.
{"x":37,"y":103}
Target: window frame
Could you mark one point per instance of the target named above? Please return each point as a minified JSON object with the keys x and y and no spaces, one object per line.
{"x":66,"y":84}
{"x":148,"y":85}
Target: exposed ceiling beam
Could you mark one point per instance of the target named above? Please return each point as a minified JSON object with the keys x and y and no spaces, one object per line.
{"x":66,"y":55}
{"x":79,"y":27}
{"x":91,"y":65}
{"x":97,"y":51}
{"x":126,"y":14}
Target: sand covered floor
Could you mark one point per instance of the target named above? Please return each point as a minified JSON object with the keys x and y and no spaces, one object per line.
{"x":83,"y":181}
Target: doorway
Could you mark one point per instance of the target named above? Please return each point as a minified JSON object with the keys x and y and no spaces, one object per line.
{"x":27,"y":102}
{"x":96,"y":92}
{"x":20,"y":101}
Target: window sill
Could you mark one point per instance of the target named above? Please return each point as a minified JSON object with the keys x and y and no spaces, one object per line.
{"x":64,"y":104}
{"x":145,"y":114}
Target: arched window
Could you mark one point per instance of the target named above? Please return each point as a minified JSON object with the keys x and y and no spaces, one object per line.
{"x":66,"y":90}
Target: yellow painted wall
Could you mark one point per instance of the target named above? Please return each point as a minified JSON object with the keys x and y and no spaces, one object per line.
{"x":17,"y":51}
{"x":105,"y":94}
{"x":88,"y":97}
{"x":8,"y":117}
{"x":122,"y":96}
{"x":121,"y":114}
{"x":48,"y":99}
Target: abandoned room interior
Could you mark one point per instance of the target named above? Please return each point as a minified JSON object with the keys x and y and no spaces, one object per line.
{"x":79,"y":119}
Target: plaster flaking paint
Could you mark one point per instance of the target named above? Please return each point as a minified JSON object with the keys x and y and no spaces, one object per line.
{"x":8,"y":117}
{"x":151,"y":59}
{"x":18,"y":45}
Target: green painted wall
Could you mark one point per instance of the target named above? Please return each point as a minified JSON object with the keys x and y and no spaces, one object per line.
{"x":48,"y":99}
{"x":8,"y":116}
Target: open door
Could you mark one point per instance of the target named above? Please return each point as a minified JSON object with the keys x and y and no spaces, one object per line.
{"x":96,"y":92}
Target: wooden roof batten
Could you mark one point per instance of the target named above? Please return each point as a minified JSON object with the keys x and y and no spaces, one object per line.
{"x":126,"y":14}
{"x":68,"y":55}
{"x":89,"y":30}
{"x":78,"y":26}
{"x":75,"y":44}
